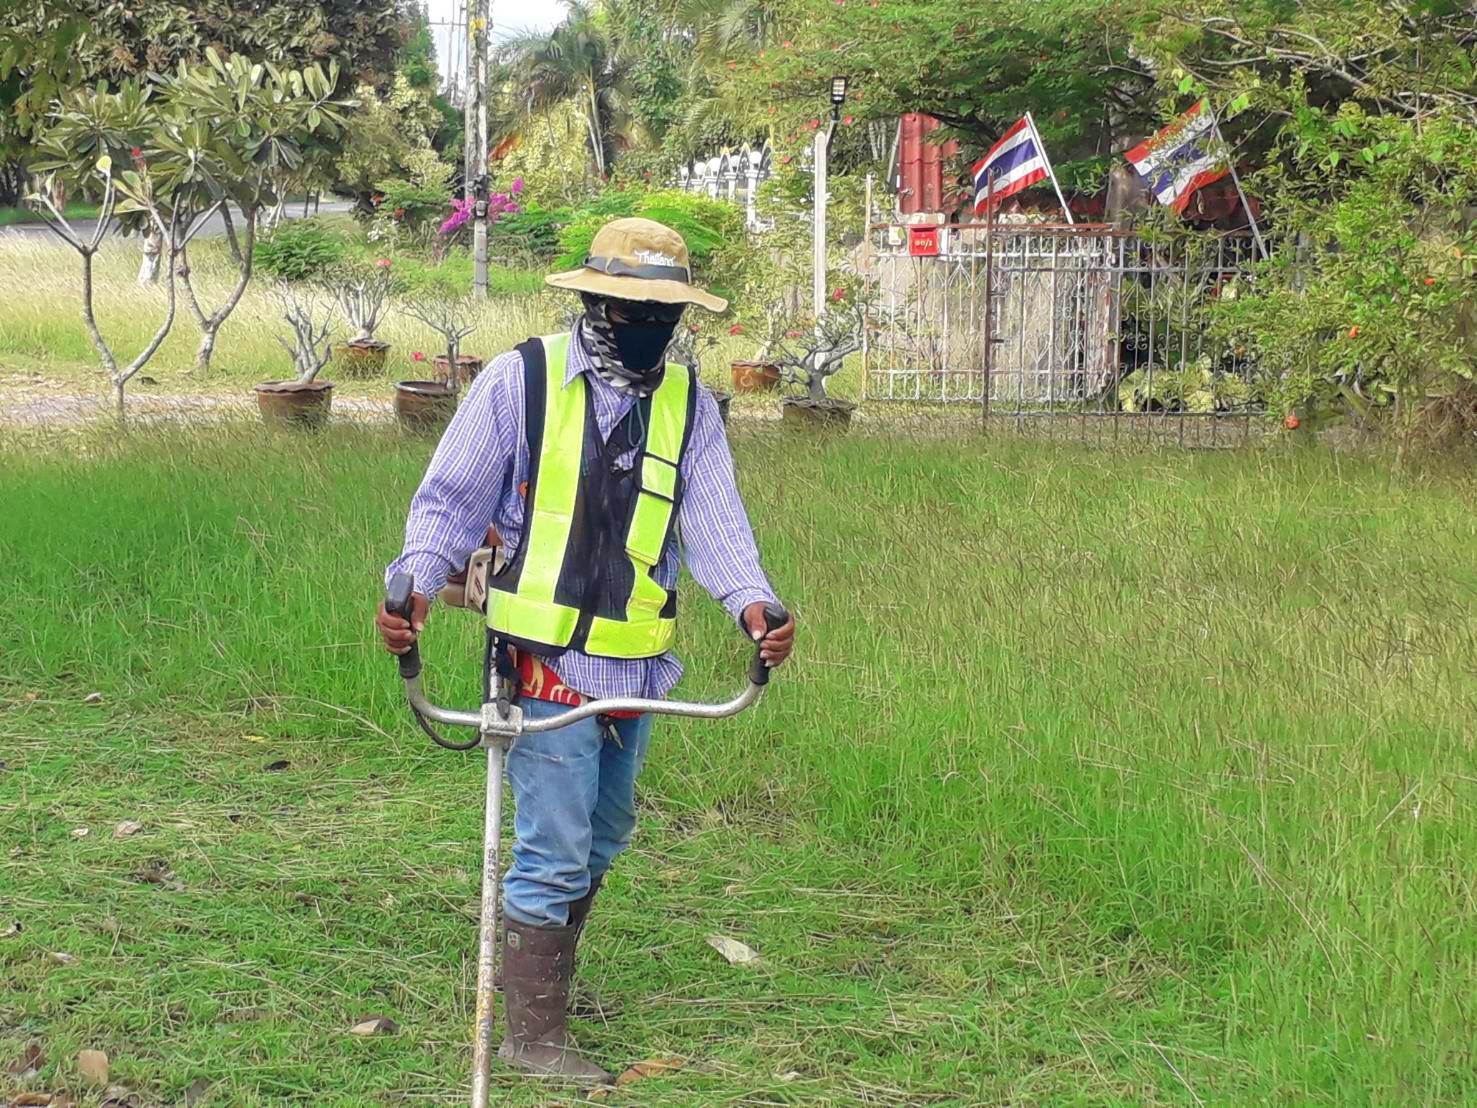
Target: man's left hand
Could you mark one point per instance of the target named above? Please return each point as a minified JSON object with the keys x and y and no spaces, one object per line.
{"x":775,"y":646}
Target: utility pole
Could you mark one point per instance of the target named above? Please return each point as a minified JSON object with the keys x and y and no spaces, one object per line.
{"x":479,"y":17}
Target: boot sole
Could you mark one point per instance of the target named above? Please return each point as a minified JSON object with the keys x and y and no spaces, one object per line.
{"x":520,"y":1060}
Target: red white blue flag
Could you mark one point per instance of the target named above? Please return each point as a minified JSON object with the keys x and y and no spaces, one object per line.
{"x":1016,"y":162}
{"x":1185,"y":156}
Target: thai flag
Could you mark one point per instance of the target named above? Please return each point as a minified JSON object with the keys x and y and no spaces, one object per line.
{"x":1016,"y":162}
{"x":1183,"y":157}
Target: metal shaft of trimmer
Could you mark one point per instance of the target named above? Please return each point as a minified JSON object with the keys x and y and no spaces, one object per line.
{"x":492,"y":829}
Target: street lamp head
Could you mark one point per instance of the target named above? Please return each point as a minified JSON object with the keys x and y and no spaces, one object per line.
{"x":838,"y":90}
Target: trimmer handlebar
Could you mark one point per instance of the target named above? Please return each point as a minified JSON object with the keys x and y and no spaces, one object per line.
{"x":399,"y":601}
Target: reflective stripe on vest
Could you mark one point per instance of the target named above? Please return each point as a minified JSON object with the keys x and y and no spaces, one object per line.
{"x":532,"y":613}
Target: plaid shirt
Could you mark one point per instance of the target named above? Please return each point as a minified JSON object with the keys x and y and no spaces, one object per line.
{"x":474,"y":480}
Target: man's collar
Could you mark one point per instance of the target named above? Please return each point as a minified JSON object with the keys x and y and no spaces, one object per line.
{"x":578,"y":359}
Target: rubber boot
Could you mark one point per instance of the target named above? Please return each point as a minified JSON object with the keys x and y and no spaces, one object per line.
{"x":579,"y":911}
{"x":538,"y":966}
{"x":584,"y":1001}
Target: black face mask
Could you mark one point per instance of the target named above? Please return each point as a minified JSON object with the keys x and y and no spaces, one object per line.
{"x":641,"y":345}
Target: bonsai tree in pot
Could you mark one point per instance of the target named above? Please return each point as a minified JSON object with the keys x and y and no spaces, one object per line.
{"x":303,"y":401}
{"x":362,"y":296}
{"x":809,"y":356}
{"x":424,"y":404}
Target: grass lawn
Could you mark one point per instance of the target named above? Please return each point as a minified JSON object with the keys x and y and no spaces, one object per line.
{"x":75,"y":209}
{"x":1097,"y":779}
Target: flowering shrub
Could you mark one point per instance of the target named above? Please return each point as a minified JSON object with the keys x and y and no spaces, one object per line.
{"x":498,"y":205}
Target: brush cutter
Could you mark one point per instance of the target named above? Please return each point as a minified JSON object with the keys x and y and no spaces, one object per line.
{"x":498,"y":724}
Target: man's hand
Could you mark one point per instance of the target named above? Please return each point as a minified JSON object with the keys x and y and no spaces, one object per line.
{"x":398,"y":634}
{"x":775,"y":646}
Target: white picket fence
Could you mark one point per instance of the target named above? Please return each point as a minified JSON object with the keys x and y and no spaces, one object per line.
{"x":732,"y":175}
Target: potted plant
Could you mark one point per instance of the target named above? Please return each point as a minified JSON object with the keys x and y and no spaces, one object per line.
{"x":363,"y":296}
{"x":762,"y":374}
{"x":305,"y":400}
{"x":809,"y":356}
{"x":425,"y":405}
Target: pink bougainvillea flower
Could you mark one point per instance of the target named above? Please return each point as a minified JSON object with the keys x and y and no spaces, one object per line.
{"x":736,"y":329}
{"x":813,"y":124}
{"x":788,"y":44}
{"x":849,"y":120}
{"x":417,"y":357}
{"x":838,"y":295}
{"x":383,"y":263}
{"x":137,"y":152}
{"x":792,"y":334}
{"x":517,"y":185}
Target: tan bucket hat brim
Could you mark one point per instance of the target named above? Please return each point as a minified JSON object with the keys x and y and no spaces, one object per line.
{"x":638,"y":259}
{"x":635,"y":288}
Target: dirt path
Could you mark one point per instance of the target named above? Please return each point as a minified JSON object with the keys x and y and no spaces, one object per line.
{"x":46,"y":407}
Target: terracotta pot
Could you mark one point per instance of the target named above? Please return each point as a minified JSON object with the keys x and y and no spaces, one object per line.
{"x":467,"y":366}
{"x":755,"y":377}
{"x":829,"y":415}
{"x":424,"y":406}
{"x":363,"y":359}
{"x":293,"y":404}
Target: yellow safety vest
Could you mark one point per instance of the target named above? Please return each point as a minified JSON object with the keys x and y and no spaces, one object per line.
{"x":568,"y":587}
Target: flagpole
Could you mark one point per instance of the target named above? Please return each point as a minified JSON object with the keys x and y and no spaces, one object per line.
{"x":1256,"y":232}
{"x":1050,"y":172}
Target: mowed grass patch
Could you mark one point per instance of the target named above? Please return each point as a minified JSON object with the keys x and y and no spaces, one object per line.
{"x":1098,"y":778}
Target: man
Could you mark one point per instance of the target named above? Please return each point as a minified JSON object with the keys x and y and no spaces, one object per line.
{"x":592,"y":462}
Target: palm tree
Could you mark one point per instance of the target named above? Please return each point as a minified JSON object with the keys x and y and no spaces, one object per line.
{"x":720,"y":28}
{"x":580,"y":60}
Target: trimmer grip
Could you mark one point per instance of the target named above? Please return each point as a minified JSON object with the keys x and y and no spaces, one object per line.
{"x":399,"y":601}
{"x":775,"y":617}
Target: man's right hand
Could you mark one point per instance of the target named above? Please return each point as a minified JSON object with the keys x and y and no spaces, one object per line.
{"x":398,"y":634}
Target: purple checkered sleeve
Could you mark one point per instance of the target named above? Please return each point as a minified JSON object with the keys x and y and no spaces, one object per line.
{"x":473,"y":481}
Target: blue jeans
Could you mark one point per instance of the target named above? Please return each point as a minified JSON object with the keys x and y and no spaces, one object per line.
{"x":574,"y":792}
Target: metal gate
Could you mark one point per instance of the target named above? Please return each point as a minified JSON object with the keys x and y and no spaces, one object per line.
{"x":1085,"y":321}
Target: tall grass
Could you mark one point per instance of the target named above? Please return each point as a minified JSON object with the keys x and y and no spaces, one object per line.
{"x":1096,"y":779}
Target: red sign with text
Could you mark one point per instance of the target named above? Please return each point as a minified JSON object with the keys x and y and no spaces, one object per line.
{"x":923,"y":242}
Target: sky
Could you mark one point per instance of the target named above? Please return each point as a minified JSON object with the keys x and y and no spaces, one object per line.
{"x":507,"y":16}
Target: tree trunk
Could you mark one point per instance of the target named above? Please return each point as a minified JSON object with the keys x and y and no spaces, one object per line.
{"x":208,"y":332}
{"x":148,"y":269}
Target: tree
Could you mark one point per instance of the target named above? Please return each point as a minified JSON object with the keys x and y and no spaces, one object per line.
{"x":137,"y":189}
{"x":212,"y":137}
{"x":581,"y":60}
{"x":48,"y":47}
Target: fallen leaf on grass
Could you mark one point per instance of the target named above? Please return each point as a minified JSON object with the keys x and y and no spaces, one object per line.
{"x":736,"y":952}
{"x":62,"y":958}
{"x":29,"y":1064}
{"x":375,"y":1025}
{"x":81,"y":832}
{"x":14,"y":928}
{"x":279,"y":764}
{"x":119,"y":1096}
{"x":31,"y":1100}
{"x":93,"y":698}
{"x":196,"y":1092}
{"x":92,"y":1067}
{"x":651,"y":1067}
{"x":157,"y":872}
{"x":599,"y":1092}
{"x":126,"y":828}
